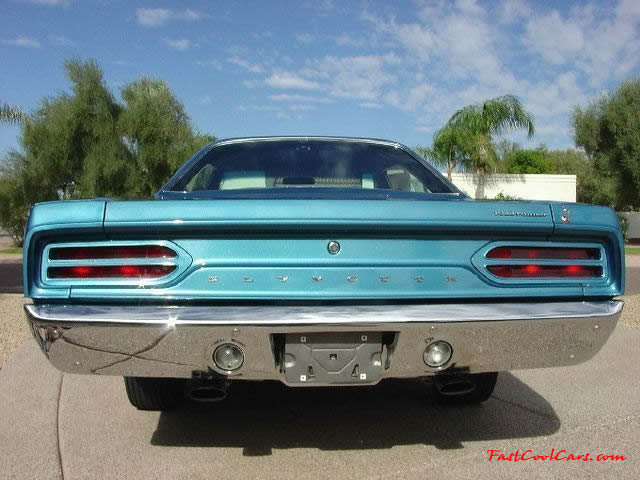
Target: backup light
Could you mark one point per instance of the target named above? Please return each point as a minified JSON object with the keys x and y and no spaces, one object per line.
{"x":437,"y":354}
{"x":228,"y":357}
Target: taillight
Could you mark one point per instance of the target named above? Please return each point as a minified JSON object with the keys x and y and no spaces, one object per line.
{"x":100,"y":253}
{"x":548,"y":271}
{"x":126,"y":262}
{"x":111,"y":271}
{"x":545,"y":253}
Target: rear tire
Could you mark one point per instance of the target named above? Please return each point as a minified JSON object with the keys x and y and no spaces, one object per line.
{"x":147,"y":393}
{"x":464,"y":389}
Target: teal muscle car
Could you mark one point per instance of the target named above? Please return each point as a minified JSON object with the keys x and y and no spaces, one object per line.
{"x":317,"y":261}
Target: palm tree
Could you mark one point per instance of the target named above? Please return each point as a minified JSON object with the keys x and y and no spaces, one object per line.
{"x":11,"y":114}
{"x":467,"y":137}
{"x":451,"y":145}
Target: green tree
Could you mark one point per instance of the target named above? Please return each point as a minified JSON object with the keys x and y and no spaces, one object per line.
{"x":527,"y":161}
{"x":609,"y":131}
{"x":86,"y":143}
{"x":157,"y":132}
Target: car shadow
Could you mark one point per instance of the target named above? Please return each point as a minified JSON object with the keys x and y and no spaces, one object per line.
{"x":262,"y":416}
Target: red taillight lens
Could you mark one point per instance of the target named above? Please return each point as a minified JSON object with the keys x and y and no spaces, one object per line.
{"x":91,"y":253}
{"x":548,"y":271}
{"x":545,"y":253}
{"x":111,"y":271}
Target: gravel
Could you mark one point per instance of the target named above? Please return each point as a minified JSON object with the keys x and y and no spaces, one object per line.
{"x":13,"y":326}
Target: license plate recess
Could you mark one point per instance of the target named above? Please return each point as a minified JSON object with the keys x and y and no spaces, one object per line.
{"x":333,"y":358}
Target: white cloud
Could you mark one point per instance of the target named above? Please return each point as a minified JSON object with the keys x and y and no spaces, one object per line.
{"x":290,"y":80}
{"x":410,"y":99}
{"x":205,"y":100}
{"x":304,"y":38}
{"x":452,"y":40}
{"x":302,"y":108}
{"x":262,"y":35}
{"x":49,"y":3}
{"x":294,"y":97}
{"x":265,"y":108}
{"x":557,"y":40}
{"x":215,"y":63}
{"x":601,"y":42}
{"x":470,"y":7}
{"x":513,"y":10}
{"x":371,"y":105}
{"x":155,"y":17}
{"x":61,"y":41}
{"x":181,"y":44}
{"x":248,"y":66}
{"x":555,"y":96}
{"x":321,"y":7}
{"x":190,"y":15}
{"x":360,"y":77}
{"x":22,"y":41}
{"x":345,"y":40}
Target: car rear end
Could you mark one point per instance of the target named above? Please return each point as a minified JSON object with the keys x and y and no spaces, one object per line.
{"x":320,"y":286}
{"x":500,"y":286}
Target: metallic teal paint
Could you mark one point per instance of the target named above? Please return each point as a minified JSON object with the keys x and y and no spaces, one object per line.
{"x":233,"y":240}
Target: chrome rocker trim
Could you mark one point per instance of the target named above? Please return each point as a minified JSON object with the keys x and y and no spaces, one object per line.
{"x":176,"y":341}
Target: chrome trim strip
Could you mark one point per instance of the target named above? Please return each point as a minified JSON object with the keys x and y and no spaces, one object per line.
{"x":266,"y":315}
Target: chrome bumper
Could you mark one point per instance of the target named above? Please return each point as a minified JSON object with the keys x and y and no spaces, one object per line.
{"x":178,"y":341}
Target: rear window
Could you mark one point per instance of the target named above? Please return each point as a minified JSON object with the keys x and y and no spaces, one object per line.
{"x":309,"y":164}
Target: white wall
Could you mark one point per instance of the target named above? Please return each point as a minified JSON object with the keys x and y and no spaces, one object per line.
{"x":634,"y":225}
{"x":5,"y":238}
{"x":527,"y":187}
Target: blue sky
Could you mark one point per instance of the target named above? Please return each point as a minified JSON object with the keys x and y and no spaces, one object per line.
{"x":394,"y":70}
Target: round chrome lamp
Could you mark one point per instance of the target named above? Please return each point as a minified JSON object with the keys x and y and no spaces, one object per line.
{"x":228,"y":357}
{"x":437,"y":354}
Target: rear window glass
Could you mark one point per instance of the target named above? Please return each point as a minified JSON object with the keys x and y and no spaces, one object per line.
{"x":309,"y":164}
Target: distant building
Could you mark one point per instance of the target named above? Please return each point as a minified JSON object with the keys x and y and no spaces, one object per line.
{"x":561,"y":188}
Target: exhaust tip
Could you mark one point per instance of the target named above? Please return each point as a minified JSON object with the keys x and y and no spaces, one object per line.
{"x":207,"y":394}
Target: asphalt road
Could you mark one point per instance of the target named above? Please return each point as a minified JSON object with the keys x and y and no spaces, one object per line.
{"x":11,"y":278}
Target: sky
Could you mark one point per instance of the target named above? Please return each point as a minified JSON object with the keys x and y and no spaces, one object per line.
{"x":394,"y":70}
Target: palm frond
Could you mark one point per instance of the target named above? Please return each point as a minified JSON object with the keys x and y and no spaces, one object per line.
{"x":494,"y":117}
{"x":12,"y":114}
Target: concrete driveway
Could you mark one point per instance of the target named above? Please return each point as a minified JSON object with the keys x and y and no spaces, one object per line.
{"x":67,"y":426}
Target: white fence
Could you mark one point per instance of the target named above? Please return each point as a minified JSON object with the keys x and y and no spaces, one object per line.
{"x":560,"y":188}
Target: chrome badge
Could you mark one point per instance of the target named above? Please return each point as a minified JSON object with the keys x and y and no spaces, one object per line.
{"x":333,"y":247}
{"x":514,"y":213}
